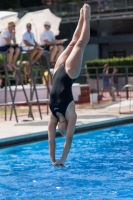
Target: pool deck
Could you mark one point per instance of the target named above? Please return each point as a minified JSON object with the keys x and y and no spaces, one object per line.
{"x":88,"y":119}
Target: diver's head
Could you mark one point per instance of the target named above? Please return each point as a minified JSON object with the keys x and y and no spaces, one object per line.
{"x":62,"y":126}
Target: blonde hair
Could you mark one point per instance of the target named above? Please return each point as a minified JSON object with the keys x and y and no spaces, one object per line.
{"x":10,"y":24}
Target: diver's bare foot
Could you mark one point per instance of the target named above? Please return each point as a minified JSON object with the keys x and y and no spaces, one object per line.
{"x":81,"y":12}
{"x":87,"y":11}
{"x":86,"y":7}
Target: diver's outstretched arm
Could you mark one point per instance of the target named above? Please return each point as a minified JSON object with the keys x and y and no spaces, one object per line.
{"x":51,"y":137}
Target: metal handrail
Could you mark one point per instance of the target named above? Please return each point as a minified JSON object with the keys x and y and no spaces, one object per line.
{"x":128,"y":88}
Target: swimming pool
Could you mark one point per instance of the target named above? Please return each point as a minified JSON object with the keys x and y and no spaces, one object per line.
{"x":100,"y":167}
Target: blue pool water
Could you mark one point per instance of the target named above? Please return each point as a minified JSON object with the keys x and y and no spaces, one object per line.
{"x":100,"y":167}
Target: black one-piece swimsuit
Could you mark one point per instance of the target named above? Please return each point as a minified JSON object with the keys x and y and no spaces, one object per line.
{"x":61,"y":94}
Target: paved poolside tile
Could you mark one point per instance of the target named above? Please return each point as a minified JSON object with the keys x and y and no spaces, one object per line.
{"x":85,"y":116}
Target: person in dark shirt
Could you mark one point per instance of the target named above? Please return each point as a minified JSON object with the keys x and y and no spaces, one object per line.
{"x":105,"y":77}
{"x":115,"y":82}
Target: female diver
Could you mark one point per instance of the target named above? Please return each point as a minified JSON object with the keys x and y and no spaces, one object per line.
{"x":67,"y":69}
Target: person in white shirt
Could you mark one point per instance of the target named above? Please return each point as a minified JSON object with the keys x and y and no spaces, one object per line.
{"x":6,"y":37}
{"x":28,"y":40}
{"x":48,"y":41}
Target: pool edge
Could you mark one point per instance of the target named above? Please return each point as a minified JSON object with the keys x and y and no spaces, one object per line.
{"x":15,"y":140}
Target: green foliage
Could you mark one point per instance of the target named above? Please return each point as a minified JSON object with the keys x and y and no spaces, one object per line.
{"x":0,"y":58}
{"x":113,"y":62}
